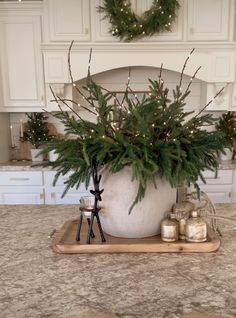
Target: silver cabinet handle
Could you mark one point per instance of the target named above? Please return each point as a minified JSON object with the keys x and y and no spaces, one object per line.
{"x":19,"y":179}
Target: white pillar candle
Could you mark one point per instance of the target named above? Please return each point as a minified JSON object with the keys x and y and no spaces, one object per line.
{"x":21,"y":129}
{"x":12,"y":139}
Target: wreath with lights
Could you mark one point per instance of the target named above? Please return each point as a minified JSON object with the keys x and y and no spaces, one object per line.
{"x":128,"y":26}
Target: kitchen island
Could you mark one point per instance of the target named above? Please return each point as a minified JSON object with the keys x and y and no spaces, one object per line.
{"x":36,"y":282}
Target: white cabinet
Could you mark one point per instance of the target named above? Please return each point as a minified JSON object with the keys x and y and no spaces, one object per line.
{"x":67,"y":20}
{"x":53,"y":195}
{"x":210,"y":20}
{"x":221,"y":187}
{"x":21,"y":187}
{"x":36,"y":187}
{"x":21,"y":59}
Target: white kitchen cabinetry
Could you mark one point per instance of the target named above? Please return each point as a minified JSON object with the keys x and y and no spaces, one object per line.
{"x":221,"y":187}
{"x":210,"y":20}
{"x":21,"y":58}
{"x":53,"y":194}
{"x":36,"y":187}
{"x":21,"y":187}
{"x":67,"y":20}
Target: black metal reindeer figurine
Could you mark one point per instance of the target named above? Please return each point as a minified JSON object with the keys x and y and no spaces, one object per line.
{"x":95,"y":211}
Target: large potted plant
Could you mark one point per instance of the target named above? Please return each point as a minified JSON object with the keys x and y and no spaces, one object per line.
{"x":144,"y":149}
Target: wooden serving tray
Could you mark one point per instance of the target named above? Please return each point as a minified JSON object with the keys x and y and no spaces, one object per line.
{"x":64,"y":242}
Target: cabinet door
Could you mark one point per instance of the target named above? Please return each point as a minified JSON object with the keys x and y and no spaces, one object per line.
{"x":21,"y":195}
{"x":210,"y":20}
{"x":21,"y":62}
{"x":218,"y":189}
{"x":53,"y":196}
{"x":67,"y":20}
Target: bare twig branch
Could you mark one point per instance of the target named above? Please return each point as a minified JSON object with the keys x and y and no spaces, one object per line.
{"x":160,"y":74}
{"x":72,"y":101}
{"x":192,"y":78}
{"x":127,"y":86}
{"x":220,"y":91}
{"x":184,"y":66}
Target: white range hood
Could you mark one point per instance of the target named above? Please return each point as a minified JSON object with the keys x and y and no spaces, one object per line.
{"x":217,"y":63}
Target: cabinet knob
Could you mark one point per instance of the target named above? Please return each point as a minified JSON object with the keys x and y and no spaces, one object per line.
{"x":41,"y":196}
{"x":86,"y":30}
{"x":53,"y":195}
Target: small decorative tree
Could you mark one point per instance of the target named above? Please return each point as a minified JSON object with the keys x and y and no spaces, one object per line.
{"x":37,"y":131}
{"x":227,"y":125}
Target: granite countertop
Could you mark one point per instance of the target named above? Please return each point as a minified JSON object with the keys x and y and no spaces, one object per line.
{"x":33,"y":166}
{"x":36,"y":282}
{"x":22,"y":166}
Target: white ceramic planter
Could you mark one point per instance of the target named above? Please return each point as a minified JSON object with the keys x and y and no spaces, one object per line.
{"x":145,"y":218}
{"x":228,"y":155}
{"x":34,"y":155}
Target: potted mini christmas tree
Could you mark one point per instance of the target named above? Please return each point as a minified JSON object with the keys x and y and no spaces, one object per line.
{"x":227,"y":125}
{"x":144,"y":147}
{"x":37,"y":133}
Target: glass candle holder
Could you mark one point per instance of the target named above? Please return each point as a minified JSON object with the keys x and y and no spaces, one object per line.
{"x":87,"y":202}
{"x":13,"y":153}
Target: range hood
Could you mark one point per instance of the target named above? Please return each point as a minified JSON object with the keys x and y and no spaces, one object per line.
{"x":217,"y":63}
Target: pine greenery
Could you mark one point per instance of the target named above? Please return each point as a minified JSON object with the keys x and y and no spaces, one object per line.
{"x":153,"y":135}
{"x":227,"y":125}
{"x":37,"y":131}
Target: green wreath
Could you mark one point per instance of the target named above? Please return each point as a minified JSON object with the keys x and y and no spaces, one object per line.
{"x":128,"y":26}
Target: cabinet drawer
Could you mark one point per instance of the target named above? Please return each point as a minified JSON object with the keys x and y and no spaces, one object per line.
{"x":21,"y":195}
{"x":53,"y":195}
{"x":19,"y":178}
{"x":49,"y":177}
{"x":223,"y":177}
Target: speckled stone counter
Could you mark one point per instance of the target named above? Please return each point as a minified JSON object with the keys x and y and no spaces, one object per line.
{"x":36,"y":282}
{"x":22,"y":166}
{"x":33,"y":166}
